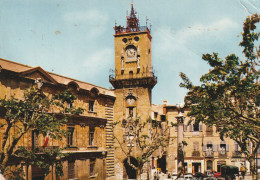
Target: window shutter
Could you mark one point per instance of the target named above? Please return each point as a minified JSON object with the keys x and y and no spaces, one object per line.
{"x":185,"y":127}
{"x":227,"y":147}
{"x":191,"y":128}
{"x":200,"y":128}
{"x":238,"y":148}
{"x":235,"y":147}
{"x":250,"y":147}
{"x":218,"y":149}
{"x":214,"y":148}
{"x":204,"y":148}
{"x":176,"y":128}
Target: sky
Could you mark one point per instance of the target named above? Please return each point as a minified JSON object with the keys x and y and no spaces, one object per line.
{"x":75,"y":38}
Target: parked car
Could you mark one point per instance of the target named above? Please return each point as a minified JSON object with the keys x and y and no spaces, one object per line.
{"x":209,"y":173}
{"x":229,"y":171}
{"x":217,"y":174}
{"x":188,"y":176}
{"x":180,"y":178}
{"x":199,"y":175}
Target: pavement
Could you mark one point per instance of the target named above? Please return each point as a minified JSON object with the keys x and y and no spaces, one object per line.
{"x":165,"y":177}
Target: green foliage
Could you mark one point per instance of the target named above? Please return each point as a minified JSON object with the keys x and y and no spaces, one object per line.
{"x":145,"y":137}
{"x":228,"y":96}
{"x":35,"y":112}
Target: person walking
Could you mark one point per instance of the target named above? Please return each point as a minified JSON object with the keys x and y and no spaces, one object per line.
{"x":243,"y":170}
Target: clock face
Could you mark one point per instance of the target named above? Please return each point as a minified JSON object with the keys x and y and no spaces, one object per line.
{"x":131,"y":52}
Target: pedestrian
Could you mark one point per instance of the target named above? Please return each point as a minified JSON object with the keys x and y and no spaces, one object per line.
{"x":243,"y":170}
{"x":155,"y":176}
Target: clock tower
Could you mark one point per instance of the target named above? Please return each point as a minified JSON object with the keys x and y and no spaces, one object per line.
{"x":133,"y":79}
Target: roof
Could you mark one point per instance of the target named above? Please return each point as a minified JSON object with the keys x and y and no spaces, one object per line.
{"x":25,"y":70}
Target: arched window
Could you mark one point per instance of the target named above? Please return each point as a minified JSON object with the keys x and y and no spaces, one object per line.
{"x":131,"y":74}
{"x":209,"y":165}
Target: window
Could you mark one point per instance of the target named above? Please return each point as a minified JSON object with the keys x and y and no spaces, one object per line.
{"x":222,"y":148}
{"x":196,"y":146}
{"x":35,"y":139}
{"x":196,"y":127}
{"x":131,"y":74}
{"x":163,"y":118}
{"x":91,"y":106}
{"x":236,"y":147}
{"x":91,"y":135}
{"x":131,"y":111}
{"x":209,"y":165}
{"x":71,"y":170}
{"x":91,"y":167}
{"x":155,"y":115}
{"x":209,"y":149}
{"x":69,"y":105}
{"x":70,"y":136}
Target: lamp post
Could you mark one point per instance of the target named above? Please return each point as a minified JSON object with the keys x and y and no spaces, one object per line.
{"x":180,"y":154}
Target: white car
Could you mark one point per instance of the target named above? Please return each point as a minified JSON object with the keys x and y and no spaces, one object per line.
{"x":188,"y":176}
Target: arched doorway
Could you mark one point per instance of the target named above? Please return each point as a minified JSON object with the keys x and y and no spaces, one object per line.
{"x":161,"y":163}
{"x":130,"y":171}
{"x":209,"y":165}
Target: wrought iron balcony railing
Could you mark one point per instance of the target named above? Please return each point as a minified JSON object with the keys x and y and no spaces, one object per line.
{"x":195,"y":154}
{"x":122,"y":30}
{"x":236,"y":154}
{"x":40,"y":149}
{"x":209,"y":153}
{"x":117,"y":76}
{"x":222,"y":154}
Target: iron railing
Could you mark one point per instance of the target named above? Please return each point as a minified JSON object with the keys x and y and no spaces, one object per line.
{"x":195,"y":153}
{"x":209,"y":153}
{"x":39,"y":149}
{"x":149,"y":73}
{"x":222,"y":154}
{"x":236,"y":154}
{"x":122,"y":30}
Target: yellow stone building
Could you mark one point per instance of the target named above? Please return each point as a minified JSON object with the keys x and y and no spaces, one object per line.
{"x":205,"y":151}
{"x":94,"y":154}
{"x":133,"y":80}
{"x":89,"y":143}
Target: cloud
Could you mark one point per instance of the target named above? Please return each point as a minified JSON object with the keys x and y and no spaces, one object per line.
{"x":98,"y":62}
{"x":193,"y":39}
{"x":93,"y":20}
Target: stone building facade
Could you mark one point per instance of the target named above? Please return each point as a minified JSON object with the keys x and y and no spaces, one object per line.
{"x":89,"y":143}
{"x":94,"y":154}
{"x":205,"y":151}
{"x":133,"y":79}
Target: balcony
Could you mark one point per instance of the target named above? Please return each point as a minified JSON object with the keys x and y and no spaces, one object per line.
{"x":195,"y":154}
{"x":121,"y":30}
{"x":40,"y":149}
{"x":209,"y":153}
{"x":146,"y":78}
{"x":236,"y":154}
{"x":222,"y":154}
{"x":209,"y":133}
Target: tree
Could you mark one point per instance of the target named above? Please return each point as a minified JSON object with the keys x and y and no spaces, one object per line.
{"x":34,"y":112}
{"x":228,"y":96}
{"x":145,"y":137}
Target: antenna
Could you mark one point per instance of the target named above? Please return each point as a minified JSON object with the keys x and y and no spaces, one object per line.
{"x":115,"y":23}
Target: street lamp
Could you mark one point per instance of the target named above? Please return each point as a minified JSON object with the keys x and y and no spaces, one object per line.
{"x":180,"y":155}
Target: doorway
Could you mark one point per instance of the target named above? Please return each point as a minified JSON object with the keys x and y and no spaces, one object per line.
{"x":196,"y":167}
{"x":130,"y":171}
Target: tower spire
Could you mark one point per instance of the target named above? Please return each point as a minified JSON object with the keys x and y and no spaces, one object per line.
{"x":132,"y":22}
